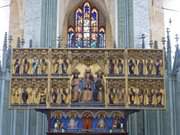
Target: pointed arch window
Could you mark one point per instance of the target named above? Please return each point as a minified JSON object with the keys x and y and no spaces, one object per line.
{"x":86,"y":32}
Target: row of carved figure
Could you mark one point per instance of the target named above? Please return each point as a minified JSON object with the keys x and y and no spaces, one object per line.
{"x":30,"y":96}
{"x":146,"y":97}
{"x":33,"y":66}
{"x":116,"y":67}
{"x":136,"y":67}
{"x":38,"y":66}
{"x":87,"y":122}
{"x":138,"y":97}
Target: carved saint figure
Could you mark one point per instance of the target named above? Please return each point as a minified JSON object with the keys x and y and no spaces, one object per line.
{"x":16,"y":95}
{"x":99,"y":88}
{"x":73,"y":122}
{"x":160,"y":97}
{"x":131,"y":67}
{"x":157,"y":67}
{"x":44,"y":66}
{"x":54,"y":96}
{"x":116,"y":96}
{"x":116,"y":122}
{"x":42,"y":95}
{"x":35,"y":66}
{"x":56,"y":66}
{"x":140,"y":67}
{"x":64,"y":66}
{"x":149,"y":67}
{"x":146,"y":98}
{"x":120,"y":67}
{"x":131,"y":96}
{"x":88,"y":86}
{"x":65,"y":96}
{"x":58,"y":125}
{"x":76,"y":87}
{"x":101,"y":122}
{"x":111,"y":67}
{"x":17,"y":66}
{"x":24,"y":95}
{"x":26,"y":66}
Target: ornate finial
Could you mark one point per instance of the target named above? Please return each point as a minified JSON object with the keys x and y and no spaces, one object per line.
{"x":5,"y":41}
{"x":10,"y":40}
{"x":143,"y":40}
{"x":168,"y":38}
{"x":170,"y":21}
{"x":22,"y":42}
{"x":177,"y":40}
{"x":30,"y":43}
{"x":151,"y":44}
{"x":163,"y":42}
{"x":18,"y":42}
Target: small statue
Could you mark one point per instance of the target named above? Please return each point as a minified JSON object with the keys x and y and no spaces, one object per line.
{"x":42,"y":95}
{"x":140,"y":67}
{"x":141,"y":96}
{"x":154,"y":97}
{"x":131,"y":67}
{"x":15,"y":95}
{"x":116,"y":69}
{"x":111,"y":67}
{"x":26,"y":66}
{"x":157,"y":67}
{"x":136,"y":98}
{"x":65,"y":96}
{"x":65,"y":66}
{"x":72,"y":122}
{"x":120,"y":67}
{"x":58,"y":125}
{"x":76,"y":87}
{"x":116,"y":122}
{"x":56,"y":67}
{"x":99,"y":88}
{"x":54,"y":96}
{"x":35,"y":66}
{"x":131,"y":96}
{"x":59,"y":96}
{"x":101,"y":123}
{"x":146,"y":98}
{"x":44,"y":66}
{"x":17,"y":66}
{"x":24,"y":95}
{"x":88,"y":86}
{"x":160,"y":97}
{"x":149,"y":67}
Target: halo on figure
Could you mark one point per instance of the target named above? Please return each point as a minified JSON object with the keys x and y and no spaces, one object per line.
{"x":88,"y":114}
{"x":72,"y":114}
{"x":88,"y":70}
{"x":75,"y":71}
{"x":99,"y":72}
{"x":101,"y":113}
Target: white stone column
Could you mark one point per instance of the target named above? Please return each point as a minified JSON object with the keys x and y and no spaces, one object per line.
{"x":1,"y":105}
{"x":58,"y":21}
{"x":116,"y":24}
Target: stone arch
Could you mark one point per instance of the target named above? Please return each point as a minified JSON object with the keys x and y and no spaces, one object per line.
{"x":71,"y":5}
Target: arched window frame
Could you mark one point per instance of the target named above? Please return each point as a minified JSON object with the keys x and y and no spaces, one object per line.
{"x":81,"y":41}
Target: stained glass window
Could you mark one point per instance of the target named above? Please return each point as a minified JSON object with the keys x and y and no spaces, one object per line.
{"x":86,"y":33}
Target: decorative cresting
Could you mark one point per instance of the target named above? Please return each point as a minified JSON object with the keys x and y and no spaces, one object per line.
{"x":87,"y":79}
